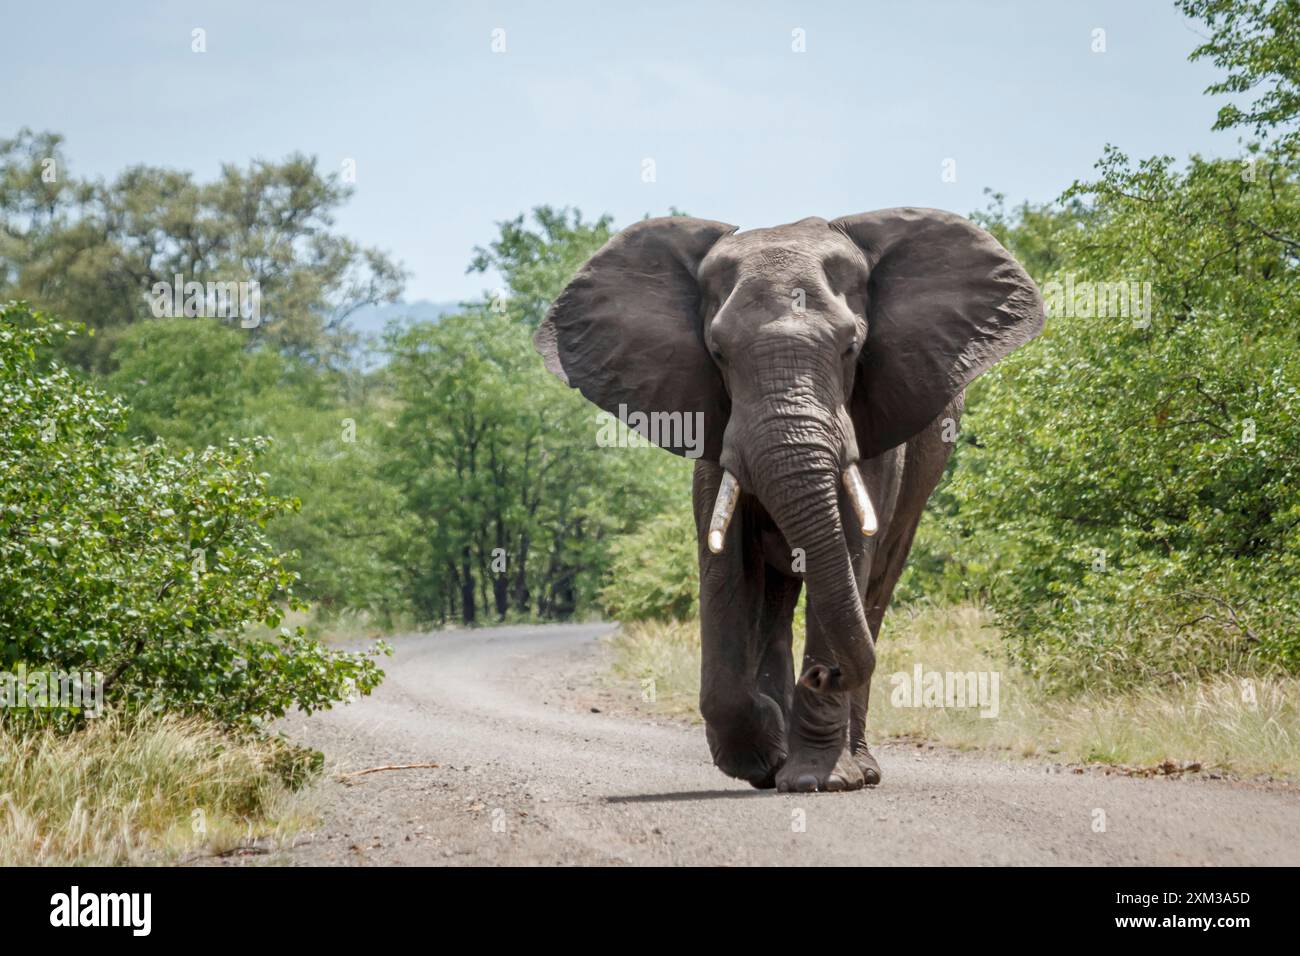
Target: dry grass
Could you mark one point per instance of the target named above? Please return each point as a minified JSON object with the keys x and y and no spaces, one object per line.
{"x":1227,"y":724}
{"x":663,"y":656}
{"x":148,"y":790}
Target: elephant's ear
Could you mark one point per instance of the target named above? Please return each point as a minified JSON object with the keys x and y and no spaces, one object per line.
{"x":626,"y":331}
{"x":944,"y":302}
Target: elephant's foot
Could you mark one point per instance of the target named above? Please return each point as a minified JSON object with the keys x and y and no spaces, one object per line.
{"x":820,"y":757}
{"x":748,"y":744}
{"x":867,"y":764}
{"x":808,"y":770}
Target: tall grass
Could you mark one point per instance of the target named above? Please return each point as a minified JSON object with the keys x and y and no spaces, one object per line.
{"x":138,"y":790}
{"x":1239,"y":725}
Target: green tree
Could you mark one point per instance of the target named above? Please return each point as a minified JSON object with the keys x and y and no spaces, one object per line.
{"x":1258,"y":43}
{"x":194,"y":383}
{"x":514,"y":503}
{"x":91,"y":251}
{"x":537,"y":262}
{"x":497,"y":463}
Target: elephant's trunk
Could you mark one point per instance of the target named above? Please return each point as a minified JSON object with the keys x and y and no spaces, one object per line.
{"x":798,"y":482}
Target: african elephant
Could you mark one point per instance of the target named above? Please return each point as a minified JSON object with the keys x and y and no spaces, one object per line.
{"x":826,"y":363}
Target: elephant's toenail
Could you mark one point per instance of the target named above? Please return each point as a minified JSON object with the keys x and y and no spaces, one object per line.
{"x":871,"y":777}
{"x":835,"y":782}
{"x":806,"y":783}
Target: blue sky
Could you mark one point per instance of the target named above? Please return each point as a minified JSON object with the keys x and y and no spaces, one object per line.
{"x":449,"y":137}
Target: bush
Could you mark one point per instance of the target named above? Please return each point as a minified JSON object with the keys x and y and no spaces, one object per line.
{"x":654,"y":571}
{"x":142,"y":566}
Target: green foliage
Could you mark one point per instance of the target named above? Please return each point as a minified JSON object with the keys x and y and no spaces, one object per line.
{"x":1258,"y":42}
{"x":1145,"y":471}
{"x":1038,"y":235}
{"x":424,"y":476}
{"x":144,"y":566}
{"x":191,"y":382}
{"x":654,"y":571}
{"x":952,"y":561}
{"x":341,"y":538}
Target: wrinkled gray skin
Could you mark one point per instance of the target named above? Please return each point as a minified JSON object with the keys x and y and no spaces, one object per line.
{"x":805,"y":349}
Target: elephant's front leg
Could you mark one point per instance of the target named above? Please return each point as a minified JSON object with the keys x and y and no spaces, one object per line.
{"x":874,"y":602}
{"x":827,"y":749}
{"x":820,"y":751}
{"x":747,"y":675}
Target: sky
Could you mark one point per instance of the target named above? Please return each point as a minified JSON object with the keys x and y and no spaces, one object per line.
{"x":461,"y":115}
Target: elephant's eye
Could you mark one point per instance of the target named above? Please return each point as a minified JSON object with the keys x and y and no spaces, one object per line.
{"x":717,"y":356}
{"x":848,"y":352}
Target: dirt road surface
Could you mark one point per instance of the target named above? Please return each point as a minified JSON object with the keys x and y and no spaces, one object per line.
{"x":541,"y":763}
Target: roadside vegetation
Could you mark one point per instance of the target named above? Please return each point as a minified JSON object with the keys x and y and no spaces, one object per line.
{"x":146,"y":577}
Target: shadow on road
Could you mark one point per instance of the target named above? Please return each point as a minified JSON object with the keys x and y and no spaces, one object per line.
{"x":687,"y":796}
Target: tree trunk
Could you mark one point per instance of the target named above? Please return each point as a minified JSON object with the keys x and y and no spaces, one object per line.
{"x":466,"y":588}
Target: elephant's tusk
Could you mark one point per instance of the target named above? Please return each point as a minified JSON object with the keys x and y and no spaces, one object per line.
{"x":861,"y":500}
{"x":728,"y":493}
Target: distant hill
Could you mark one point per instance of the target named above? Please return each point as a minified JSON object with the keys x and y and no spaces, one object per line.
{"x":371,"y":319}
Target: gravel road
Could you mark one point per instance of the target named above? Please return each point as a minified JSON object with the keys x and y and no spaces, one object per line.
{"x":541,"y":763}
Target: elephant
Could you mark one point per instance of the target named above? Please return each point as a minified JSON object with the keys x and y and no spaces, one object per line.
{"x":826,"y":363}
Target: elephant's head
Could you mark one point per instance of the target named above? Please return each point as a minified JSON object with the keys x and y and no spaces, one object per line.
{"x":801,"y":349}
